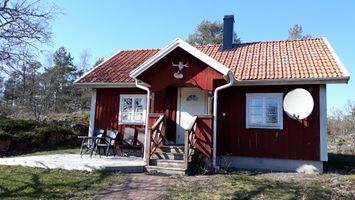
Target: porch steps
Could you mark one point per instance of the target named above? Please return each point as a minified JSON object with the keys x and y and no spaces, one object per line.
{"x":168,"y":160}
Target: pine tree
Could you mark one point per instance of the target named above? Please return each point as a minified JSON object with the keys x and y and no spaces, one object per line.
{"x":296,"y":33}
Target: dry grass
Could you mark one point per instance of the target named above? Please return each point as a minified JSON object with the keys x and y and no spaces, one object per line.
{"x":246,"y":185}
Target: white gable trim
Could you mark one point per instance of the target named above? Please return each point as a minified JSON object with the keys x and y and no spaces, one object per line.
{"x":336,"y":57}
{"x":188,"y":48}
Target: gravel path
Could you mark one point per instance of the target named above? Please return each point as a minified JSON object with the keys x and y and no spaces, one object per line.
{"x":138,"y":186}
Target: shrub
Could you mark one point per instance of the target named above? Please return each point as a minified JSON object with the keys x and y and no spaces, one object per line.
{"x":24,"y":140}
{"x":13,"y":125}
{"x":5,"y":136}
{"x":54,"y":135}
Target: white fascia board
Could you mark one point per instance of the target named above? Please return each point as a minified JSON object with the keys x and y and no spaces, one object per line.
{"x":188,"y":48}
{"x":107,"y":85}
{"x":88,"y":72}
{"x":292,"y":81}
{"x":336,"y":57}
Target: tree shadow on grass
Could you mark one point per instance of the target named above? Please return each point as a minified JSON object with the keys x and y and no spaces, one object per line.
{"x":51,"y":184}
{"x":252,"y":187}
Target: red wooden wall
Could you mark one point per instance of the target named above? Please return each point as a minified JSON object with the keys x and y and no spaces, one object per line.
{"x":297,"y":140}
{"x":161,"y":75}
{"x":107,"y":108}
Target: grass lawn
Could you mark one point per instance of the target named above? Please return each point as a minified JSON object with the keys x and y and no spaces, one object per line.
{"x":35,"y":183}
{"x":56,"y":151}
{"x":246,"y":185}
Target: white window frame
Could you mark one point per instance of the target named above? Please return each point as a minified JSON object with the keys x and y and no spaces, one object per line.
{"x":264,"y":125}
{"x":133,"y":96}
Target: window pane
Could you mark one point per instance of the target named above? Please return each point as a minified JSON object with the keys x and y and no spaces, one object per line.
{"x":256,"y":101}
{"x":138,"y":102}
{"x":126,"y":116}
{"x":271,"y":101}
{"x":256,"y":119}
{"x":127,"y":105}
{"x":271,"y":119}
{"x":255,"y":110}
{"x":138,"y":117}
{"x":271,"y":110}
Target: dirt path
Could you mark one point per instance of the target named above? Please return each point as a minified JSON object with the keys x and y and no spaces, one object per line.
{"x":137,"y":186}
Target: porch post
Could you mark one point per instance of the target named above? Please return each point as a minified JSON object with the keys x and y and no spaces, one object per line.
{"x":92,"y":113}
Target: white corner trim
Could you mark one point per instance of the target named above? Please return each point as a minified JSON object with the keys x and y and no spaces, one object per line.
{"x":336,"y":57}
{"x":323,"y":131}
{"x":92,"y":113}
{"x":88,"y":72}
{"x":188,"y":48}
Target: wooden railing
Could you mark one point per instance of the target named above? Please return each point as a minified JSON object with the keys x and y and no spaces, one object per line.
{"x":190,"y":141}
{"x":156,"y":136}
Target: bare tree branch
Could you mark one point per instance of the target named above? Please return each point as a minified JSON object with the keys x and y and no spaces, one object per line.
{"x":24,"y":27}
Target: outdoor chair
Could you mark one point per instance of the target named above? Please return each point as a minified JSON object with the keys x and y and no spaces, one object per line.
{"x":87,"y":143}
{"x":106,"y":143}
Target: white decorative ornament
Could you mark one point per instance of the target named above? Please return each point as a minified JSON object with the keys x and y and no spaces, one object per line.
{"x":298,"y":104}
{"x":181,"y":66}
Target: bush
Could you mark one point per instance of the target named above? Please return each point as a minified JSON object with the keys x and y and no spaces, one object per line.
{"x":54,"y":135}
{"x":5,"y":136}
{"x":13,"y":125}
{"x":29,"y":135}
{"x":25,"y":140}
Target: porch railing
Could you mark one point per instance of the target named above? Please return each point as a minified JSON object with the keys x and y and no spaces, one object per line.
{"x":156,"y":135}
{"x":190,"y":141}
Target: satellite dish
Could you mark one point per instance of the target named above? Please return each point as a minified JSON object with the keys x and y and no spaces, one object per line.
{"x":298,"y":104}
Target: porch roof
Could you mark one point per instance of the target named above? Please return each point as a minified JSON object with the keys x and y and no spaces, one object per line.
{"x":292,"y":60}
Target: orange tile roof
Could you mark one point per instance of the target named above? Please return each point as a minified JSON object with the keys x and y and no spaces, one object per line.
{"x":283,"y":59}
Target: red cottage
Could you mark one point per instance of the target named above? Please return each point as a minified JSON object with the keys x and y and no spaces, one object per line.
{"x":258,"y":105}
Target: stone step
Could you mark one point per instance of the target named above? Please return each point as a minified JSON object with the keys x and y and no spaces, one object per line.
{"x":171,"y":149}
{"x":165,"y":170}
{"x":167,"y":163}
{"x":168,"y":156}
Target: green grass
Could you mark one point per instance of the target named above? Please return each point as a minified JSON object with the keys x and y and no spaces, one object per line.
{"x":56,"y":151}
{"x":243,"y":185}
{"x":35,"y":183}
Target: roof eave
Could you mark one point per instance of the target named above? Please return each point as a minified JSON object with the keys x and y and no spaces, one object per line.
{"x":293,"y":81}
{"x":106,"y":85}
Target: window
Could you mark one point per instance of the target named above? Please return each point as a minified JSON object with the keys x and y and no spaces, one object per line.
{"x":264,"y":110}
{"x":132,"y":109}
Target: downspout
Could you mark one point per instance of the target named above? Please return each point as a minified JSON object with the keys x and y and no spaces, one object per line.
{"x":147,"y":117}
{"x":215,"y":100}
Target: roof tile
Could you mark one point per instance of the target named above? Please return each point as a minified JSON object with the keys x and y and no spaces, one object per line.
{"x":291,"y":59}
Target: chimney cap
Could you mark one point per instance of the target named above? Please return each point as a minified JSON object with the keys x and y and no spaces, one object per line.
{"x":228,"y":17}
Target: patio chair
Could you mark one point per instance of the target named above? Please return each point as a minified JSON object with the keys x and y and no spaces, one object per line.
{"x":87,"y":143}
{"x":107,"y":142}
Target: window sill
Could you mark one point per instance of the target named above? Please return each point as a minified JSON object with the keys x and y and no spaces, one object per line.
{"x":131,"y":123}
{"x":265,"y":127}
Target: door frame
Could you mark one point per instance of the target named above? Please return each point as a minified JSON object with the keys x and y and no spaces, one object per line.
{"x":178,"y":106}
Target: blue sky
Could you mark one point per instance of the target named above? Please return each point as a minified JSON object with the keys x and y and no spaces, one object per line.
{"x":104,"y":27}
